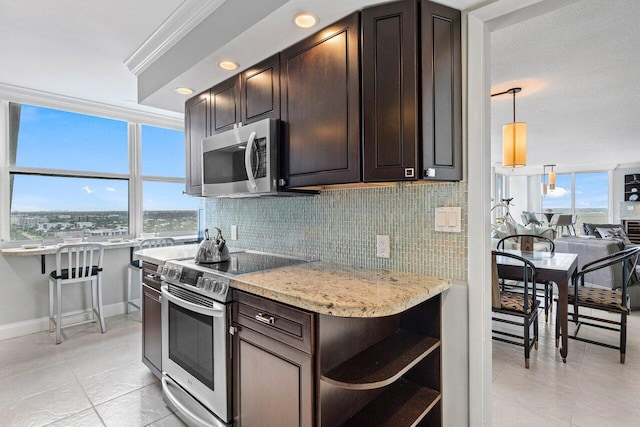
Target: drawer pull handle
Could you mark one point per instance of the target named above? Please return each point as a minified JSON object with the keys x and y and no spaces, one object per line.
{"x":151,"y":277}
{"x":269,"y":320}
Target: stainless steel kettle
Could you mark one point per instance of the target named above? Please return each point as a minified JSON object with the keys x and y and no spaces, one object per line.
{"x":212,"y":250}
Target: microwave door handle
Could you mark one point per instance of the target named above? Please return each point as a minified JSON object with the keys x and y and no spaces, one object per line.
{"x":216,"y":311}
{"x":247,"y":160}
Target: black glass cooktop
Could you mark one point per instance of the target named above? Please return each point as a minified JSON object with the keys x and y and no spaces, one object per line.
{"x":249,"y":262}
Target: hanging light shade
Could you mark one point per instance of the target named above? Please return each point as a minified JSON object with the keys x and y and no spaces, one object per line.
{"x":514,"y":137}
{"x":544,"y":184}
{"x":552,"y":178}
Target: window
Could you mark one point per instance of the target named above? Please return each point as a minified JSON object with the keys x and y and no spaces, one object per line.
{"x":586,"y":194}
{"x":165,"y":207}
{"x":69,"y":175}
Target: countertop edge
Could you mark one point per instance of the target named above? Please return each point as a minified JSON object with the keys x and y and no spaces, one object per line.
{"x":338,"y":310}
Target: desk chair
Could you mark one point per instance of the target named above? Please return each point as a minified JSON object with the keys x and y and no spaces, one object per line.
{"x":135,"y":266}
{"x":83,"y":265}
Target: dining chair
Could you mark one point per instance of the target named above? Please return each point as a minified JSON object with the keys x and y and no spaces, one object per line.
{"x":135,"y":267}
{"x":523,"y":305}
{"x":531,"y":243}
{"x":614,"y":300}
{"x":563,"y":221}
{"x":76,"y":263}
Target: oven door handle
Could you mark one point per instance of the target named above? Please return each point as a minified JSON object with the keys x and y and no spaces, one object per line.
{"x":217,"y":310}
{"x":247,"y":160}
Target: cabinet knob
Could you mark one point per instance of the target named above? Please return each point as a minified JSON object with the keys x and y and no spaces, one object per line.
{"x":282,"y":182}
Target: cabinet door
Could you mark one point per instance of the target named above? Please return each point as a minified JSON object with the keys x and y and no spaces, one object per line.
{"x":441,"y":93}
{"x":389,"y":92}
{"x":260,"y":91}
{"x":321,"y":107}
{"x":151,"y":330}
{"x":273,"y":382}
{"x":196,"y":117}
{"x":225,"y":105}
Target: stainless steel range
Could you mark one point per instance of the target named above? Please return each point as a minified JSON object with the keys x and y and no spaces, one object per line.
{"x":196,"y":345}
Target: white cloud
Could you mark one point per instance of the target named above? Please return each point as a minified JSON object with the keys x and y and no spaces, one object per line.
{"x":110,"y":189}
{"x":559,"y":192}
{"x":87,"y":190}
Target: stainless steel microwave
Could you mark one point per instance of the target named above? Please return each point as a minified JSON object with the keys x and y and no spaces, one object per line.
{"x":242,"y":161}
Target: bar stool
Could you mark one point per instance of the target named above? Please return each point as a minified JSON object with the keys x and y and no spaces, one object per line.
{"x":135,"y":266}
{"x":83,"y":264}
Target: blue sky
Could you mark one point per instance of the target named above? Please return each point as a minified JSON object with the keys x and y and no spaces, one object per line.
{"x":592,"y":190}
{"x":61,"y":140}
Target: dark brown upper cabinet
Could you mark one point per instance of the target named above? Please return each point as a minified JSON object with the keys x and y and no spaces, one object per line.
{"x":441,"y":93}
{"x":390,"y":92}
{"x":225,"y":105}
{"x":260,"y":91}
{"x":197,"y":110}
{"x":321,"y":107}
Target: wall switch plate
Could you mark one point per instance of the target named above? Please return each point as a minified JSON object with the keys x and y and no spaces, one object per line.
{"x":234,"y":232}
{"x":383,"y":246}
{"x":449,"y":219}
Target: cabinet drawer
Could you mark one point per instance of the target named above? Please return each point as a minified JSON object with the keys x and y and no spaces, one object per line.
{"x":275,"y":320}
{"x":149,"y":275}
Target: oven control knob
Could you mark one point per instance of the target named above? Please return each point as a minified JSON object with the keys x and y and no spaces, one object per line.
{"x":173,"y":273}
{"x":199,"y":282}
{"x":206,"y":283}
{"x":217,"y":287}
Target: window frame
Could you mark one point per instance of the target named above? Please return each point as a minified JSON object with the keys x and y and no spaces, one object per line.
{"x":134,"y":119}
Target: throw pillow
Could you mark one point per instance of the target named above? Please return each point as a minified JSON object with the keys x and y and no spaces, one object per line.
{"x":502,"y":231}
{"x":613,"y":233}
{"x":529,"y":229}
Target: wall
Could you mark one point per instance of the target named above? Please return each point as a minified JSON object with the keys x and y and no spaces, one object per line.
{"x":341,"y":225}
{"x":24,"y":306}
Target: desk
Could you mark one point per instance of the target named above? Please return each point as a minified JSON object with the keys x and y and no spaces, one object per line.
{"x":558,"y":268}
{"x":51,"y":249}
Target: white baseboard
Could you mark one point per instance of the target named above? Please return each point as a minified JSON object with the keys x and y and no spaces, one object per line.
{"x":18,"y":329}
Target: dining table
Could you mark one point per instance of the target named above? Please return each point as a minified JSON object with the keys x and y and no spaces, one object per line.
{"x":548,"y":215}
{"x":556,"y":267}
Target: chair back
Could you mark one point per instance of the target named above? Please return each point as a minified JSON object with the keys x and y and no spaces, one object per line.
{"x":527,"y":276}
{"x":82,"y":260}
{"x":627,"y":259}
{"x":564,"y":220}
{"x":527,"y":242}
{"x":156,"y":242}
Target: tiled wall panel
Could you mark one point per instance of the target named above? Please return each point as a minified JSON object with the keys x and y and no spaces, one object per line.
{"x":341,"y":225}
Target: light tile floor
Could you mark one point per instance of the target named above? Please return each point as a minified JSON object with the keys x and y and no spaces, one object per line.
{"x":591,"y":389}
{"x":90,"y":379}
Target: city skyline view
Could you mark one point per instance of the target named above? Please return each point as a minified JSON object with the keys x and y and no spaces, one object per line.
{"x":52,"y":199}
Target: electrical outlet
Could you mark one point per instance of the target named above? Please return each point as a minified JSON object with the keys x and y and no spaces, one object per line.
{"x":383,"y":246}
{"x":234,"y":232}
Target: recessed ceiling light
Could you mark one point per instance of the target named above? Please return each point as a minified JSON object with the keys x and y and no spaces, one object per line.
{"x":184,"y":90}
{"x":305,"y":20}
{"x":227,"y":64}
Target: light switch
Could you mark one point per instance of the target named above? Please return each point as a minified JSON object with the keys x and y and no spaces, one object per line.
{"x":448,"y":219}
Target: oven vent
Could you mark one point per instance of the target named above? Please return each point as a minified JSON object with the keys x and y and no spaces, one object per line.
{"x":191,"y":296}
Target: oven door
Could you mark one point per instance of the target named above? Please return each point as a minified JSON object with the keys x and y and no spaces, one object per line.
{"x":240,"y":161}
{"x":195,"y":349}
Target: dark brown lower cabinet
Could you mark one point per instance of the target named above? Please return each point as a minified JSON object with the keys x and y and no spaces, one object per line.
{"x":151,"y":319}
{"x":273,"y":381}
{"x":295,"y":368}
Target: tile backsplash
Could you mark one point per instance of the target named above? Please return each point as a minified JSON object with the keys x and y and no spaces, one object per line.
{"x":341,"y":226}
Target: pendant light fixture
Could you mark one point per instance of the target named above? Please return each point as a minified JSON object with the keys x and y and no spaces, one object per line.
{"x":544,"y":180}
{"x":548,"y":178}
{"x":552,"y":178}
{"x":514,"y":137}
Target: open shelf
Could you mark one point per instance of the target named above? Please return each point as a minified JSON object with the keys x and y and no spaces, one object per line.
{"x":382,"y":363}
{"x":405,"y":403}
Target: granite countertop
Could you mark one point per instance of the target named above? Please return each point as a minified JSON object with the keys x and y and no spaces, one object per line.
{"x":163,"y":254}
{"x":342,"y":290}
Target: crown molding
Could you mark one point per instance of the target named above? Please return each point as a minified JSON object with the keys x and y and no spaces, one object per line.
{"x":185,"y":18}
{"x":24,"y":95}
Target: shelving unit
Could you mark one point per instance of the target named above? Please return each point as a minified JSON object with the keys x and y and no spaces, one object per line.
{"x":632,"y":188}
{"x":381,"y":371}
{"x":632,"y":228}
